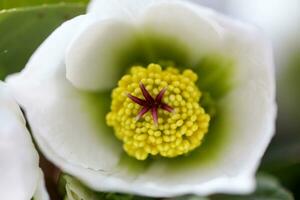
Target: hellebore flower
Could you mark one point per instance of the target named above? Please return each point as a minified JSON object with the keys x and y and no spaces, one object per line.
{"x":21,"y":177}
{"x":157,"y":98}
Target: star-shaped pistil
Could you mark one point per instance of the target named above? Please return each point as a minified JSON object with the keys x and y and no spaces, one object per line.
{"x":149,"y":103}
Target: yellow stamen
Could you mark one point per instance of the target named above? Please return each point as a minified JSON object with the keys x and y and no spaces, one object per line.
{"x":176,"y":133}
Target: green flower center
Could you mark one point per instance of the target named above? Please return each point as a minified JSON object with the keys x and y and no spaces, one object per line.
{"x":157,"y":112}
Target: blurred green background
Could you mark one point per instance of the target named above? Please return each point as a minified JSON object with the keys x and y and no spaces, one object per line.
{"x":24,"y":24}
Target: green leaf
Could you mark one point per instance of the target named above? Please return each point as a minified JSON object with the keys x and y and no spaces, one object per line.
{"x":6,"y":4}
{"x":23,"y":30}
{"x":268,"y":188}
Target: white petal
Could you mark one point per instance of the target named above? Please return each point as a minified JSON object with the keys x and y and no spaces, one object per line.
{"x":120,"y":8}
{"x":189,"y":26}
{"x":19,"y":162}
{"x":66,"y":123}
{"x":63,"y":129}
{"x":92,"y":58}
{"x":41,"y":192}
{"x":251,"y":104}
{"x":95,"y":58}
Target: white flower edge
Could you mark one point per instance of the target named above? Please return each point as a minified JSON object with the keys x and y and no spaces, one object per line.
{"x":21,"y":177}
{"x":95,"y":162}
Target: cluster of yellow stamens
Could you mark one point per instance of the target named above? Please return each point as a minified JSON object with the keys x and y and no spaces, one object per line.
{"x":175,"y":133}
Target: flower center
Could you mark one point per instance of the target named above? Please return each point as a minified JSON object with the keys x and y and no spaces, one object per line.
{"x":150,"y":103}
{"x":157,"y":112}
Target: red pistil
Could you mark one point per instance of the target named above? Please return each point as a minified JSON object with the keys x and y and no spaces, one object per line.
{"x":149,"y":103}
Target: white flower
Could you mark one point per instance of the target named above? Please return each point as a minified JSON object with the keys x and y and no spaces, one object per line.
{"x":21,"y":177}
{"x":65,"y":90}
